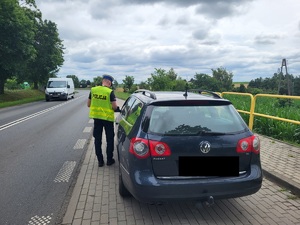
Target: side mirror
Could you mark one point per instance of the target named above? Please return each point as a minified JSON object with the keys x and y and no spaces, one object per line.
{"x":68,"y":86}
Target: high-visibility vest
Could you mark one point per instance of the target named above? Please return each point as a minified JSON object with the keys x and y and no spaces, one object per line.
{"x":101,"y":107}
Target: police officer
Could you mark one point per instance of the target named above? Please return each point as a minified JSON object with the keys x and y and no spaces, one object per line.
{"x":102,"y":103}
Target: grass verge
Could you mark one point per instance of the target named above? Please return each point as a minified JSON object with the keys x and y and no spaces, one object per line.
{"x":18,"y":97}
{"x":121,"y":95}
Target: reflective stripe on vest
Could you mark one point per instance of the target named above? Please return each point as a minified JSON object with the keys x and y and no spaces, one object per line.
{"x":101,"y":107}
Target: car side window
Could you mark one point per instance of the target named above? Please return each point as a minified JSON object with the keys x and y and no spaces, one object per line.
{"x":127,"y":107}
{"x":134,"y":111}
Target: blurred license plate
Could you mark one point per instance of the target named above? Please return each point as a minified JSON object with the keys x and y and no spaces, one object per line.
{"x":225,"y":166}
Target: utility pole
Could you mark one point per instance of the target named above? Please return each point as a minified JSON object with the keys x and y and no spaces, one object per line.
{"x":279,"y":80}
{"x":283,"y":64}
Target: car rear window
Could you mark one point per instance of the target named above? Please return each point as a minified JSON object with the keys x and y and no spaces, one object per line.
{"x":194,"y":120}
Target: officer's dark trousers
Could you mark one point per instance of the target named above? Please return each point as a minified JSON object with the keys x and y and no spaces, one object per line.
{"x":109,"y":132}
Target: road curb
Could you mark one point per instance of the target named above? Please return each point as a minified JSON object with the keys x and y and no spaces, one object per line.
{"x":69,"y":215}
{"x":282,"y":181}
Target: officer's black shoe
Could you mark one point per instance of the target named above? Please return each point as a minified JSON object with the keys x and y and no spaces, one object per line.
{"x":100,"y":163}
{"x":110,"y":162}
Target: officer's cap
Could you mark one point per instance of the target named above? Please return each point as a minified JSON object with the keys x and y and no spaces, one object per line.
{"x":108,"y":77}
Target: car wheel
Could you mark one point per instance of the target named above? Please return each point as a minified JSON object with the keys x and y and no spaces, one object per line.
{"x":122,"y":189}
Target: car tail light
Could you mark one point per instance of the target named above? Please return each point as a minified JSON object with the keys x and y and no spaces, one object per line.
{"x":159,"y":149}
{"x":142,"y":148}
{"x":249,"y":144}
{"x":139,"y":147}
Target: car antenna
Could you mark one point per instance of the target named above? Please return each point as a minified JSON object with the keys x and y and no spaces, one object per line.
{"x":186,"y":90}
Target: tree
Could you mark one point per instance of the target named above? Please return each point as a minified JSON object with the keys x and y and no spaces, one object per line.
{"x":83,"y":84}
{"x":224,"y":77}
{"x":160,"y":81}
{"x":257,"y":83}
{"x":128,"y":83}
{"x":75,"y":79}
{"x":171,"y":74}
{"x":88,"y":83}
{"x":49,"y":50}
{"x":115,"y":84}
{"x":179,"y":85}
{"x":242,"y":88}
{"x":274,"y":85}
{"x":284,"y":88}
{"x":97,"y":81}
{"x":144,"y":85}
{"x":16,"y":39}
{"x":297,"y":86}
{"x":205,"y":82}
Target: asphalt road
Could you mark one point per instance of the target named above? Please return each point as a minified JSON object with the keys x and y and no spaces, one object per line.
{"x":42,"y":145}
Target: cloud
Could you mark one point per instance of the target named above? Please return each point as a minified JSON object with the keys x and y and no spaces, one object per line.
{"x":200,"y":34}
{"x":222,"y":9}
{"x":133,"y":37}
{"x":266,"y":39}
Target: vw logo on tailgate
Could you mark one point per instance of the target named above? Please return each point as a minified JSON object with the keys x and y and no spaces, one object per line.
{"x":204,"y":146}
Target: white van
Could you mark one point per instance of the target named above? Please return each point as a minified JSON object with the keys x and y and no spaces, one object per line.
{"x":59,"y":88}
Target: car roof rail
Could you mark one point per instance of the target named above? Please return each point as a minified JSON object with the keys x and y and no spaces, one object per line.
{"x":214,"y":94}
{"x":145,"y":92}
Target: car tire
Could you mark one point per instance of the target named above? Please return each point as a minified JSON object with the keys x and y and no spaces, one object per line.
{"x":122,"y":189}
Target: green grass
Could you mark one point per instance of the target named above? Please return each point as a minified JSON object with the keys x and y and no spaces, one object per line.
{"x":122,"y":95}
{"x":18,"y":97}
{"x":280,"y":130}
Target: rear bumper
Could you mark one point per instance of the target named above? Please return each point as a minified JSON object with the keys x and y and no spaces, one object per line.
{"x":145,"y":187}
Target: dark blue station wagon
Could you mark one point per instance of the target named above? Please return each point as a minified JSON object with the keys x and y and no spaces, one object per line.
{"x":185,"y":146}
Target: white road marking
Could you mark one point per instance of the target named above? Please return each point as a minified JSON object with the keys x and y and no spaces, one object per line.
{"x":80,"y":144}
{"x":36,"y":220}
{"x":10,"y":124}
{"x":65,"y":172}
{"x":87,"y":129}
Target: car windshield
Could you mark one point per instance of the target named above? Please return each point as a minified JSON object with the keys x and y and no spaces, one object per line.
{"x":57,"y":84}
{"x":195,"y":120}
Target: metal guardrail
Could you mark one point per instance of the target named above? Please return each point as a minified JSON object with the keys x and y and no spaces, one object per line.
{"x":252,"y":112}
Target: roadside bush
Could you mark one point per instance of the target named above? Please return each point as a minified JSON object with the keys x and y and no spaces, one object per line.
{"x":12,"y":84}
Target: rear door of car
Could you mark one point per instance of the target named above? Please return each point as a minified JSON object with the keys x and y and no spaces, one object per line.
{"x":126,"y":120}
{"x":202,"y":138}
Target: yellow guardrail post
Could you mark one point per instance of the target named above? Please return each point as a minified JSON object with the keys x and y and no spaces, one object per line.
{"x":252,"y":106}
{"x":252,"y":112}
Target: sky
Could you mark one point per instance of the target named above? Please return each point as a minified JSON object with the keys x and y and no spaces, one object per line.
{"x":248,"y":38}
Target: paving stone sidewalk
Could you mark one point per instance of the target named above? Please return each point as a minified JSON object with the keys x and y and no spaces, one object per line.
{"x":281,"y":163}
{"x":95,"y":199}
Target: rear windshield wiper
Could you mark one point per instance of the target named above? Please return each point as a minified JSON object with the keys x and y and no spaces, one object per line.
{"x":203,"y":132}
